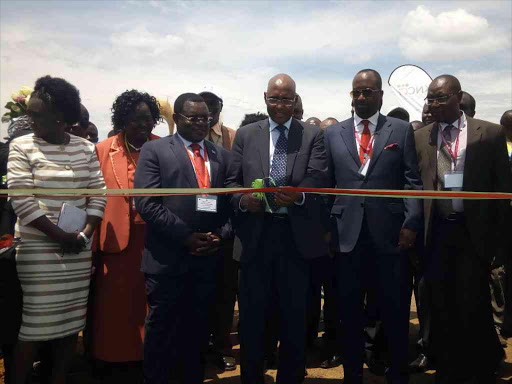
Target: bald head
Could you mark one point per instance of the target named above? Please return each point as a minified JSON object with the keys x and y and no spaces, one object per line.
{"x":447,"y":81}
{"x":370,"y":74}
{"x":327,"y":122}
{"x":313,"y":121}
{"x":280,"y":98}
{"x":298,"y":111}
{"x":281,"y":81}
{"x":506,"y":122}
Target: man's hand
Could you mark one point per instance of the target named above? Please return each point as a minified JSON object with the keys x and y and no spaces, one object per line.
{"x":252,"y":204}
{"x":285,"y":197}
{"x":202,"y":244}
{"x":407,"y":239}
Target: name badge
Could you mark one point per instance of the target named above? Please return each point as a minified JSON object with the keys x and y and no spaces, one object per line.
{"x":206,"y":203}
{"x":364,"y":167}
{"x":453,"y":179}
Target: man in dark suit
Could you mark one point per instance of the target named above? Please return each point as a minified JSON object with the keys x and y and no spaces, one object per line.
{"x":183,"y":238}
{"x":371,"y":235}
{"x":278,"y":237}
{"x":458,"y":152}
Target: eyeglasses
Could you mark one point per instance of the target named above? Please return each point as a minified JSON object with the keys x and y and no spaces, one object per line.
{"x":366,"y":92}
{"x":276,"y":100}
{"x":441,"y":100}
{"x":197,"y":119}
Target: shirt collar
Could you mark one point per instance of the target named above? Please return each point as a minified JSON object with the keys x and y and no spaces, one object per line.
{"x":273,"y":125}
{"x":188,"y":143}
{"x":372,"y":119}
{"x":217,"y":128}
{"x":456,"y":123}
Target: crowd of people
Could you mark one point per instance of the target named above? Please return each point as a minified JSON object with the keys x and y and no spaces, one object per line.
{"x":153,"y":280}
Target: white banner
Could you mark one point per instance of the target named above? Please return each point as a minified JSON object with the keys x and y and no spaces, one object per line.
{"x":410,"y":84}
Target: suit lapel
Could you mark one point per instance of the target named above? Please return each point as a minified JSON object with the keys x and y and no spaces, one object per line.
{"x":382,"y":133}
{"x":214,"y":162}
{"x":119,"y":161}
{"x":432,"y":152}
{"x":474,"y":134}
{"x":294,"y":144}
{"x":348,"y":135}
{"x":180,"y":152}
{"x":262,"y":142}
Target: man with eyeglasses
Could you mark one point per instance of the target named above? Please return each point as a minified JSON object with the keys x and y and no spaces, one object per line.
{"x":227,"y":272}
{"x":182,"y":245}
{"x":371,"y":235}
{"x":280,"y":233}
{"x":457,"y":153}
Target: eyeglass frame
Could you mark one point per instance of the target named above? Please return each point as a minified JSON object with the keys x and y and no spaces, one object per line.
{"x":275,"y":101}
{"x":189,"y":119}
{"x":436,"y":99}
{"x":361,"y":92}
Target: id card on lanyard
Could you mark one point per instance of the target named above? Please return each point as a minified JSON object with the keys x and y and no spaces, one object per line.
{"x":453,"y":179}
{"x":204,"y":203}
{"x":366,"y":154}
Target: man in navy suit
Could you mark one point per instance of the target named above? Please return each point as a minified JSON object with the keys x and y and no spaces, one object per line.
{"x":277,"y":238}
{"x":183,"y":238}
{"x":371,"y":236}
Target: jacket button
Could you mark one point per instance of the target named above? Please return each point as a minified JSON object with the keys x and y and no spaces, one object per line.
{"x":67,"y":167}
{"x":362,"y":205}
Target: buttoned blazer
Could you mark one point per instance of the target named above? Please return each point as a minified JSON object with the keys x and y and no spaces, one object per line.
{"x":113,"y":233}
{"x":393,"y":166}
{"x":164,"y":163}
{"x":306,"y":167}
{"x":486,"y":169}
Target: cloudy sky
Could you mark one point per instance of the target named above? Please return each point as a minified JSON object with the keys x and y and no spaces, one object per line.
{"x":170,"y":47}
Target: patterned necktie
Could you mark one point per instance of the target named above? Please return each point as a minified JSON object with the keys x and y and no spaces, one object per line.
{"x":365,"y":140}
{"x":200,"y":167}
{"x":278,"y":170}
{"x":444,"y":165}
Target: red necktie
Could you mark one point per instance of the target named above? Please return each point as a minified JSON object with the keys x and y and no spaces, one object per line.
{"x":365,"y":140}
{"x":203,"y":179}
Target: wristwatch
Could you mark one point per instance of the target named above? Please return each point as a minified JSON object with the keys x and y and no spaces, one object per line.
{"x":86,"y":239}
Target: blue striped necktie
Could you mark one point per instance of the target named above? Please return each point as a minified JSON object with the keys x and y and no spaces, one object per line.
{"x":278,"y":170}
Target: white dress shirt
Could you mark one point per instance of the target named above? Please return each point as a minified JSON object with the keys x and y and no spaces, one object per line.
{"x":191,"y":153}
{"x":359,"y":127}
{"x":462,"y":132}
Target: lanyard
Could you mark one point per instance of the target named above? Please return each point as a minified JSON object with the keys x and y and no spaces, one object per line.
{"x":448,"y":146}
{"x":205,"y":183}
{"x":368,"y":148}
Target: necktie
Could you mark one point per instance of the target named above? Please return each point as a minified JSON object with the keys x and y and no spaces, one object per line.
{"x":278,"y":170}
{"x":365,"y":140}
{"x":200,"y":166}
{"x":444,"y":165}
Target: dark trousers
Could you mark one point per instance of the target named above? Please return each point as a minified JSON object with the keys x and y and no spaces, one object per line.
{"x":465,"y":343}
{"x":424,"y":311}
{"x":176,"y":328}
{"x":224,"y":304}
{"x":357,"y":272}
{"x":276,"y":277}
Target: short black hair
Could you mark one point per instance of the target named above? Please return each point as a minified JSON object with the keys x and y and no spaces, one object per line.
{"x":472,"y":101}
{"x":253,"y":118}
{"x":375,"y":73}
{"x":84,"y":116}
{"x":60,"y":96}
{"x":399,"y":113}
{"x":126,"y":103}
{"x":183,"y":98}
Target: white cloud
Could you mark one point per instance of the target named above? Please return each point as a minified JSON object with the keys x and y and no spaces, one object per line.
{"x":141,"y":38}
{"x":453,"y":35}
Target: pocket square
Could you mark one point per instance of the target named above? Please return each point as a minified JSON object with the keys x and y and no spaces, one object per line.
{"x":392,"y":146}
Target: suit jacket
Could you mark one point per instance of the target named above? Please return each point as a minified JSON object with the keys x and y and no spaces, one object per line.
{"x":486,"y":169}
{"x":306,"y":167}
{"x":113,"y":233}
{"x":164,"y":163}
{"x":393,"y":165}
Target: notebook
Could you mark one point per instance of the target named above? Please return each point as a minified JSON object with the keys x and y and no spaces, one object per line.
{"x":71,"y":218}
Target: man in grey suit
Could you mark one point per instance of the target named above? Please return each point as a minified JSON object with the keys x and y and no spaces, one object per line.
{"x":371,"y":236}
{"x":278,"y":237}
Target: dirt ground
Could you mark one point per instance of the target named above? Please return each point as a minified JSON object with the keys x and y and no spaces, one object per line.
{"x":81,"y":374}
